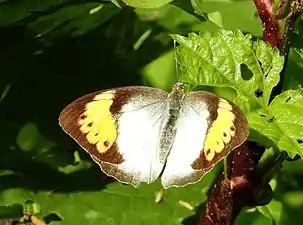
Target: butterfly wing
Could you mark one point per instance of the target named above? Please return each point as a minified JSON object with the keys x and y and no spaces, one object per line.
{"x":208,"y":129}
{"x":120,"y":129}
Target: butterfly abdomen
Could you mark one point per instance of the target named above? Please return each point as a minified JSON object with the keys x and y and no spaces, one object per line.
{"x":174,"y":104}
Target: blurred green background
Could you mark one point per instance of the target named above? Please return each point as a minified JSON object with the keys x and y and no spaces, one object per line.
{"x":55,"y":51}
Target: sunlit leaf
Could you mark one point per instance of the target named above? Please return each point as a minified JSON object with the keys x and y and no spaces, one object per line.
{"x":146,"y":3}
{"x":116,"y":204}
{"x":216,"y":60}
{"x":280,"y":124}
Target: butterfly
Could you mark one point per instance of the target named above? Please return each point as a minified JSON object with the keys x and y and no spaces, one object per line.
{"x":138,"y":133}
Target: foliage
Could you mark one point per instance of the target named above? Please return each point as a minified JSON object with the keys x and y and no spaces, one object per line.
{"x":55,"y":51}
{"x":216,"y":60}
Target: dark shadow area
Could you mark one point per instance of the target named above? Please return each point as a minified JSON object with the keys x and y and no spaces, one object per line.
{"x":297,"y":37}
{"x":42,"y":78}
{"x":11,"y":212}
{"x":195,"y":218}
{"x":289,"y":191}
{"x":246,"y":73}
{"x":36,"y":176}
{"x":52,"y":218}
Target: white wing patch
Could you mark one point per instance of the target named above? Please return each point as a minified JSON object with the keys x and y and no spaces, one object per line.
{"x":139,"y":141}
{"x":191,"y":131}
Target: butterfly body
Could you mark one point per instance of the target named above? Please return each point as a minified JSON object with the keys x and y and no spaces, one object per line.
{"x":136,"y":133}
{"x":173,"y":108}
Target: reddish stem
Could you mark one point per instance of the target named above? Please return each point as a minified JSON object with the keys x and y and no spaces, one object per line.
{"x":243,"y":188}
{"x":269,"y":23}
{"x":277,"y":25}
{"x":246,"y":185}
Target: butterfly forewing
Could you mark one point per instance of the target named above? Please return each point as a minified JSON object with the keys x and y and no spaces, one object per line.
{"x":120,"y":129}
{"x":209,"y":128}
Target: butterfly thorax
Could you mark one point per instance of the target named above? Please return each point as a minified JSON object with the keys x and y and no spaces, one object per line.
{"x":174,"y":104}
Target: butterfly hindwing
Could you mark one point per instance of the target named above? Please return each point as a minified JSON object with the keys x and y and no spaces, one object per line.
{"x":208,"y":129}
{"x":191,"y":130}
{"x":133,"y":132}
{"x":120,"y":129}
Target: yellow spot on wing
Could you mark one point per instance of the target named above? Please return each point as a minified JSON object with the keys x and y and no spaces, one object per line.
{"x":98,"y":123}
{"x":108,"y":95}
{"x":221,"y":130}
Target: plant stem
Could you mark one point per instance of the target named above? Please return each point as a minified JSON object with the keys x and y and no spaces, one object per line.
{"x":228,"y":197}
{"x":248,"y":184}
{"x":277,"y":21}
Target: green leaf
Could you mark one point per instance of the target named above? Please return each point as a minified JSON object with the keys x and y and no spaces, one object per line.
{"x":246,"y":10}
{"x":273,"y":211}
{"x":253,"y":217}
{"x":299,"y":51}
{"x":171,"y":18}
{"x":163,"y":65}
{"x":280,"y":124}
{"x":293,"y":78}
{"x":74,"y":20}
{"x":14,"y":11}
{"x":294,"y":199}
{"x":11,"y":211}
{"x":147,"y":4}
{"x":118,"y":3}
{"x":31,"y":207}
{"x":216,"y":18}
{"x":28,"y":137}
{"x":217,"y":59}
{"x":116,"y":204}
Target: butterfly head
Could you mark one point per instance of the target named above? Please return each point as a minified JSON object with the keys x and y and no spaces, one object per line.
{"x":176,"y":93}
{"x":178,"y":88}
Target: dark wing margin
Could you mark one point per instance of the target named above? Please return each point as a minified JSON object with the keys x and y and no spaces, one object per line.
{"x":68,"y":120}
{"x":227,"y":128}
{"x":102,"y":110}
{"x":240,"y":129}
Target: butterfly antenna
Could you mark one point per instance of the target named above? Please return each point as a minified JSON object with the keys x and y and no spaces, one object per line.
{"x":176,"y":61}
